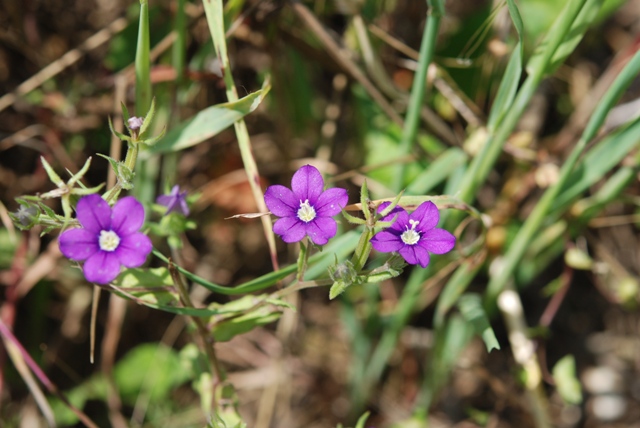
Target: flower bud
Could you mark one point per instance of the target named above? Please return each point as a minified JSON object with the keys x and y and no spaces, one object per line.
{"x":135,"y":122}
{"x":26,"y":216}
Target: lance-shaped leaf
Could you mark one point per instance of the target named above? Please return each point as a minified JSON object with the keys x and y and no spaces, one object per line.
{"x":148,"y":119}
{"x":208,"y":122}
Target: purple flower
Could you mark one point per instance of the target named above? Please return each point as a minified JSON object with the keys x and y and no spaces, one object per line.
{"x":108,"y":237}
{"x":305,"y":209}
{"x":414,"y":235}
{"x":175,"y":201}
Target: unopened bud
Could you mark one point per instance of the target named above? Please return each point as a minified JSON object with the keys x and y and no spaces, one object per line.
{"x":343,"y":272}
{"x":135,"y":123}
{"x":26,"y":215}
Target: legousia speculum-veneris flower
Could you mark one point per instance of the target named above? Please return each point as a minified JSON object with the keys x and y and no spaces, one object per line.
{"x":108,"y":239}
{"x":413,"y":235}
{"x":305,"y":209}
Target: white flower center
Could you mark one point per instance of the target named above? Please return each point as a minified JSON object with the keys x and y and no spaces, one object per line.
{"x":411,"y":236}
{"x":109,"y":240}
{"x":306,"y":212}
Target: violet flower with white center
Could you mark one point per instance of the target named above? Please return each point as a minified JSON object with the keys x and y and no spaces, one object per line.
{"x":305,"y":210}
{"x":108,"y":238}
{"x":175,"y":201}
{"x":414,"y":235}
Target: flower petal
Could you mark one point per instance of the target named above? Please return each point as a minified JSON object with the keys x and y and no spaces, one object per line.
{"x":94,"y":213}
{"x":428,"y":216}
{"x":402,"y":220}
{"x":437,"y":241}
{"x":307,"y":183}
{"x":415,"y":255}
{"x":133,"y":250}
{"x":321,"y":230}
{"x":102,"y":267}
{"x":386,"y":242}
{"x":393,"y":213}
{"x":281,"y":201}
{"x":78,"y":244}
{"x":290,"y":229}
{"x":166,"y":200}
{"x":127,"y":216}
{"x":184,"y":207}
{"x":175,"y":201}
{"x":331,"y":202}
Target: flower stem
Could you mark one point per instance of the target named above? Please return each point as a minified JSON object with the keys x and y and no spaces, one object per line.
{"x":132,"y":156}
{"x":361,"y":254}
{"x":427,"y":49}
{"x":303,"y":259}
{"x":214,"y":12}
{"x":205,"y":335}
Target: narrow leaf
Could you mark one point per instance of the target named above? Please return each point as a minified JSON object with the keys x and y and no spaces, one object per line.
{"x":470,"y":306}
{"x":207,"y":123}
{"x":564,"y":373}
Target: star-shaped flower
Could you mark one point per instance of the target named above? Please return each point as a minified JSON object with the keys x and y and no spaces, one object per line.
{"x":414,"y":235}
{"x":305,"y":210}
{"x":108,"y":238}
{"x":175,"y":201}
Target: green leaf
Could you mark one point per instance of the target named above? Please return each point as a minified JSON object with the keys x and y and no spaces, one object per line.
{"x":337,"y":289}
{"x":150,"y":368}
{"x":437,"y":172}
{"x":153,"y":140}
{"x":281,"y":303}
{"x":564,"y":374}
{"x":125,"y":114}
{"x":511,"y":79}
{"x":8,"y":247}
{"x":55,"y":178}
{"x":470,"y":306}
{"x":318,"y":265}
{"x":516,"y":18}
{"x":117,"y":134}
{"x":47,"y":230}
{"x":451,"y":339}
{"x":148,"y":119}
{"x":597,"y":163}
{"x":149,"y":285}
{"x":454,"y":288}
{"x":122,"y":171}
{"x":208,"y":122}
{"x":579,"y":26}
{"x":578,"y":259}
{"x":362,"y":420}
{"x":47,"y":210}
{"x":225,"y":329}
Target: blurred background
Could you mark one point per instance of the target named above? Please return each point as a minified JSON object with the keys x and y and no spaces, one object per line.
{"x":340,"y":72}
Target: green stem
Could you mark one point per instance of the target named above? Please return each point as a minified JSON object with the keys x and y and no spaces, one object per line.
{"x":205,"y":335}
{"x":418,"y":90}
{"x":303,"y":259}
{"x":215,"y":19}
{"x":112,"y":193}
{"x":361,"y":254}
{"x":531,"y":226}
{"x":180,"y":45}
{"x":387,"y":343}
{"x":132,"y":156}
{"x":483,"y":164}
